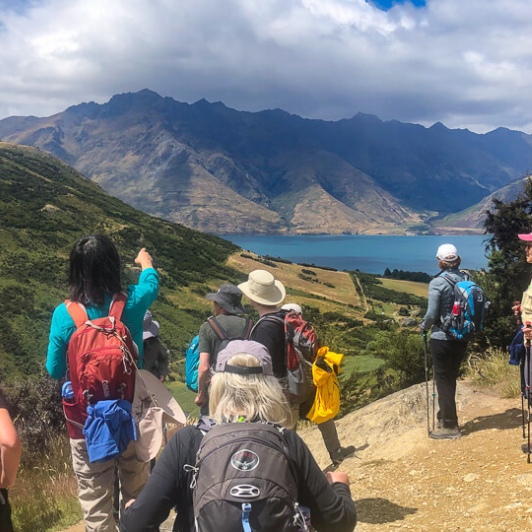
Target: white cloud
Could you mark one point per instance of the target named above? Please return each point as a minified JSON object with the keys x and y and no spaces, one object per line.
{"x":466,"y":64}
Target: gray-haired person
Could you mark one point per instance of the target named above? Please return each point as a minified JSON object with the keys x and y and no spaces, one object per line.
{"x":244,"y":391}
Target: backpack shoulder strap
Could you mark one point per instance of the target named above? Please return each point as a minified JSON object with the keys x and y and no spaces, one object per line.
{"x":449,"y":279}
{"x":217,"y":328}
{"x":247,"y":328}
{"x":205,"y":424}
{"x":117,"y":305}
{"x":277,"y":319}
{"x":77,"y":312}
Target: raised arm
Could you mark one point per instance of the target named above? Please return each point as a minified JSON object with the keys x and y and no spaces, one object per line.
{"x":144,"y":259}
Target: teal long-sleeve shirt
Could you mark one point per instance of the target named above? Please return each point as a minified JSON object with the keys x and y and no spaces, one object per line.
{"x":139,"y":299}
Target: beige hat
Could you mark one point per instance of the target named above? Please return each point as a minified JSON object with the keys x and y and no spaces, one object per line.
{"x":261,"y":287}
{"x":153,"y":406}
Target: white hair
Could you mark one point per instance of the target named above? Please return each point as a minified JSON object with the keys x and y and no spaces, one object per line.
{"x":257,"y":397}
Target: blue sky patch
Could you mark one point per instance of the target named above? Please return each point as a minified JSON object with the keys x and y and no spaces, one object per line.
{"x":385,"y":5}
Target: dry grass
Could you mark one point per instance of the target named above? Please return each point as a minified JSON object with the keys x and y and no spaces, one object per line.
{"x":45,"y":495}
{"x":409,"y":287}
{"x":494,"y":371}
{"x":342,"y":290}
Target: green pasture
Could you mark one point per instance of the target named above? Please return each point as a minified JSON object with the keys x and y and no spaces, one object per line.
{"x":408,"y":287}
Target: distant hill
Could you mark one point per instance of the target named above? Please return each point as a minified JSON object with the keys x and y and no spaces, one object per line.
{"x":472,"y":219}
{"x":45,"y":206}
{"x":219,"y":170}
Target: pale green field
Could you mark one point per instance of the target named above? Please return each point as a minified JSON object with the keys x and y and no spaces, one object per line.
{"x":184,"y":397}
{"x":360,"y":364}
{"x":409,"y":287}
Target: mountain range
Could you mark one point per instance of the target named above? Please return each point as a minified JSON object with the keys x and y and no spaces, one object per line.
{"x":223,"y":171}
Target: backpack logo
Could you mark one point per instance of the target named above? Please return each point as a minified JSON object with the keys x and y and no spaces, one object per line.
{"x":468,"y":312}
{"x":245,"y":460}
{"x":245,"y":491}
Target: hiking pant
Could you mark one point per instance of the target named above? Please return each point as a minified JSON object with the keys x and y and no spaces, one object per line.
{"x":447,"y":356}
{"x":5,"y":512}
{"x":327,"y":429}
{"x":96,"y":481}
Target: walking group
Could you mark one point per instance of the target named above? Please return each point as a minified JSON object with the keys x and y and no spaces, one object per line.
{"x":242,"y":465}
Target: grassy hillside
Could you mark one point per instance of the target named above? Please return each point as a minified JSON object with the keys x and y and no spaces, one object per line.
{"x":45,"y":206}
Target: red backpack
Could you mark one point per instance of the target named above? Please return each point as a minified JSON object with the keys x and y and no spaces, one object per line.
{"x":101,"y":362}
{"x":301,"y":346}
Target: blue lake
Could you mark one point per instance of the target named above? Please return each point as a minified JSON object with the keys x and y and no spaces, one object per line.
{"x":367,"y":253}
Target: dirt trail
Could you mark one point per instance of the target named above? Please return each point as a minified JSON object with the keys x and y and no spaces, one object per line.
{"x":402,"y":480}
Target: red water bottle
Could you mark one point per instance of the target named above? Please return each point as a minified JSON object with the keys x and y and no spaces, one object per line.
{"x":456,"y":308}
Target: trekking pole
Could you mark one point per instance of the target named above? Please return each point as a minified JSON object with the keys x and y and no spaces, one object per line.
{"x":426,"y":379}
{"x":527,"y":388}
{"x":522,"y":363}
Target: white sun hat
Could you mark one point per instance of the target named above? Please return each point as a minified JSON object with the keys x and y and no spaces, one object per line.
{"x":261,"y":287}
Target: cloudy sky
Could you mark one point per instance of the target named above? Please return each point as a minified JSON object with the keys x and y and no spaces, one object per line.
{"x":466,"y":63}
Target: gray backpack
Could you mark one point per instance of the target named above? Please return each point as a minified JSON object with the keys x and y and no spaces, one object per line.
{"x":245,"y":481}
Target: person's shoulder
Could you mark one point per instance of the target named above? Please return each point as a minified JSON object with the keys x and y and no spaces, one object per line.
{"x":231,"y":318}
{"x":186,"y":435}
{"x":293,"y":439}
{"x":275,"y":317}
{"x":61,"y":315}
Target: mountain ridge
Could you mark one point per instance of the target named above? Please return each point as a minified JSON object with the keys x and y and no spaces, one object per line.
{"x":220,"y":170}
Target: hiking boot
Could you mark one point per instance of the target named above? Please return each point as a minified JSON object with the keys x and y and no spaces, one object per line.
{"x":341,"y":454}
{"x":525,"y":448}
{"x":444,"y":433}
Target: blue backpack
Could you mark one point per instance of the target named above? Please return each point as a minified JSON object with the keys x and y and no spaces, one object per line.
{"x":191,"y":364}
{"x":469,"y":309}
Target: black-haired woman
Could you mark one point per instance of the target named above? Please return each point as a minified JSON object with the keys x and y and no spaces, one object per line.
{"x":94,"y":279}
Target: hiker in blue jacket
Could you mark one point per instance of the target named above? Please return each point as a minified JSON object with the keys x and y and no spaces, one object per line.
{"x":447,"y":353}
{"x":94,"y":278}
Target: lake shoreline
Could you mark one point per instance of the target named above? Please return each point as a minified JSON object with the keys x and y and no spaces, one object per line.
{"x":366,"y":253}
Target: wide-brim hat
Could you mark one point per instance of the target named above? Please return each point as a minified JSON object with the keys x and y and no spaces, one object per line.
{"x":229,"y":297}
{"x":153,"y":407}
{"x":148,"y":386}
{"x":262,"y":287}
{"x":526,"y":237}
{"x":150,"y":327}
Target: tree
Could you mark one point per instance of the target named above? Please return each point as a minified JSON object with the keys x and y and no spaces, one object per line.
{"x":508,"y":272}
{"x":402,"y":351}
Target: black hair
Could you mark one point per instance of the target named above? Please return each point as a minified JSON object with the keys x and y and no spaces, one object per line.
{"x":94,"y":270}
